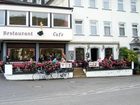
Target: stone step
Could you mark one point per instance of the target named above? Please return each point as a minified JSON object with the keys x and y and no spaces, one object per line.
{"x":78,"y":72}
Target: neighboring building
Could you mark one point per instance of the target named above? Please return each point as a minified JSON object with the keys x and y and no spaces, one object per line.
{"x":96,"y":29}
{"x":101,"y":27}
{"x":30,"y":30}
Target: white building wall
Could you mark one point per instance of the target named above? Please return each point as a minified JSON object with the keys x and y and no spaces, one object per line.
{"x":85,"y":13}
{"x":114,"y":16}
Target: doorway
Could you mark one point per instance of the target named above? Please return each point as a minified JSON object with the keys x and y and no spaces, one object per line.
{"x":80,"y":54}
{"x":94,"y":54}
{"x":108,"y":52}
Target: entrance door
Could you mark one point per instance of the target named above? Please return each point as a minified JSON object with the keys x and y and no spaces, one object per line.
{"x":80,"y":54}
{"x":94,"y":54}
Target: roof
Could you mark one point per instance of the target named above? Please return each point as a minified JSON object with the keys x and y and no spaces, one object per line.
{"x":20,"y":3}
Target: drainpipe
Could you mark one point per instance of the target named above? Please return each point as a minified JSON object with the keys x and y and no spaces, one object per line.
{"x":4,"y":52}
{"x":68,"y":3}
{"x":37,"y":52}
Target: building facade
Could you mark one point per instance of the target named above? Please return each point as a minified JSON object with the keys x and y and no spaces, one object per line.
{"x":101,"y":27}
{"x":31,"y":30}
{"x":82,"y":29}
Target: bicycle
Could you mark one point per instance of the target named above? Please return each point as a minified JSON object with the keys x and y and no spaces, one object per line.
{"x":63,"y":73}
{"x":44,"y":73}
{"x":40,"y":72}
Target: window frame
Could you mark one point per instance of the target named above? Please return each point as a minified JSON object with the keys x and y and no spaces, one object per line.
{"x":78,"y":5}
{"x":133,"y":4}
{"x":69,"y":20}
{"x":106,"y":7}
{"x":82,"y":27}
{"x":94,"y":5}
{"x":121,"y":3}
{"x":107,"y":24}
{"x":31,"y":17}
{"x":26,"y":16}
{"x":93,"y":23}
{"x":122,"y":27}
{"x":4,"y":17}
{"x":136,"y":35}
{"x":19,"y":55}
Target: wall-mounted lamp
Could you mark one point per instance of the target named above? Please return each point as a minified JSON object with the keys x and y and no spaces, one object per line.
{"x":40,"y":33}
{"x":103,"y":47}
{"x":118,"y":47}
{"x":88,"y":47}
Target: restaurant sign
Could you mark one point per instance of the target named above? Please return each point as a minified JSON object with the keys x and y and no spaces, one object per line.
{"x":14,"y":33}
{"x":21,"y":33}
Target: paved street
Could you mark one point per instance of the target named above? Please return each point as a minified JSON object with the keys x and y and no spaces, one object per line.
{"x":81,"y":91}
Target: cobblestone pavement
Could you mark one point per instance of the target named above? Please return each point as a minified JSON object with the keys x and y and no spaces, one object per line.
{"x":77,"y":91}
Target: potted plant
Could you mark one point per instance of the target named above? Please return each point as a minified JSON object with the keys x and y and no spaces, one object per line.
{"x":130,"y":56}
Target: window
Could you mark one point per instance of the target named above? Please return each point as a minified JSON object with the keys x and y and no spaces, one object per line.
{"x":107,"y":28}
{"x":135,"y":30}
{"x":120,"y":5}
{"x":24,"y":0}
{"x":30,"y":1}
{"x":122,"y":29}
{"x":17,"y":18}
{"x":78,"y":26}
{"x":2,"y":17}
{"x":133,"y":5}
{"x":105,"y":4}
{"x":38,"y":1}
{"x":61,"y":20}
{"x":39,"y":17}
{"x":51,"y":53}
{"x":34,"y":1}
{"x":77,"y":2}
{"x":21,"y":54}
{"x":92,"y":3}
{"x":93,"y":27}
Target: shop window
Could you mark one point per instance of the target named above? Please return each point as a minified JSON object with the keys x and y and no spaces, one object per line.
{"x":51,"y":53}
{"x":21,"y":54}
{"x":2,"y":17}
{"x":17,"y":18}
{"x":61,"y":20}
{"x":39,"y":17}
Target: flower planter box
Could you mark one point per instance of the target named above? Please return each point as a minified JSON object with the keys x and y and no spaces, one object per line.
{"x":29,"y":76}
{"x":10,"y":75}
{"x":107,"y":73}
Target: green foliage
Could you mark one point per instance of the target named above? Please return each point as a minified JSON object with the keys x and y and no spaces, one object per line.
{"x":128,"y":54}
